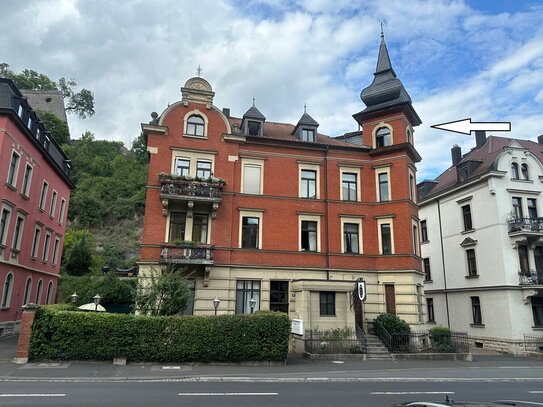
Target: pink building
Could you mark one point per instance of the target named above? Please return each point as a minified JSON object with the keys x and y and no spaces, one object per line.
{"x":34,"y":196}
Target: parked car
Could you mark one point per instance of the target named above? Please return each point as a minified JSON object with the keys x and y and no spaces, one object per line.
{"x":448,"y":402}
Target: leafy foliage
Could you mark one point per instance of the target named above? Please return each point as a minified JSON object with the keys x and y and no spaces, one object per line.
{"x":392,"y":323}
{"x":57,"y":127}
{"x":441,"y":337}
{"x":79,"y":259}
{"x":113,"y":290}
{"x":166,"y":294}
{"x":81,"y":103}
{"x":67,"y":335}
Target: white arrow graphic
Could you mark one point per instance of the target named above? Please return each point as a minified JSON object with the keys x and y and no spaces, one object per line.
{"x":466,"y":126}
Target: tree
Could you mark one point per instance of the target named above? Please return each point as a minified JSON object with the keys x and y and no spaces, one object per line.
{"x":58,"y":128}
{"x":80,"y":258}
{"x":166,"y":294}
{"x":139,"y":149}
{"x":80,"y":103}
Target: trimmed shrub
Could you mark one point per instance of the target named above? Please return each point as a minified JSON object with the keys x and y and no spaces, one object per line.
{"x":393,"y":324}
{"x":442,"y":339}
{"x":65,"y":335}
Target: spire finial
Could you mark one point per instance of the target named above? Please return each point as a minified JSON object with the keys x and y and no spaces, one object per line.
{"x":382,"y":32}
{"x":199,"y":71}
{"x":253,"y":100}
{"x":305,"y":108}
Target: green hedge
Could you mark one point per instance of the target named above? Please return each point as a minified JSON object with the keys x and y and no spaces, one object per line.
{"x":68,"y":335}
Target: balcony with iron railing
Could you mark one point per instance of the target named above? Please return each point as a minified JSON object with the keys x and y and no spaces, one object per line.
{"x":191,"y":189}
{"x":185,"y":253}
{"x":525,"y":225}
{"x":532,"y":277}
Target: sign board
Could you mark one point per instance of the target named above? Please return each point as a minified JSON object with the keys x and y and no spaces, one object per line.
{"x":361,"y":290}
{"x":297,"y":327}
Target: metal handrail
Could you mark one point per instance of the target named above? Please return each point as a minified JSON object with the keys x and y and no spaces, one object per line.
{"x":383,"y":334}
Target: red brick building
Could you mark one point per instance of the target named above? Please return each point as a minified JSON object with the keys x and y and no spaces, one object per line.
{"x":285,"y":215}
{"x":34,"y":196}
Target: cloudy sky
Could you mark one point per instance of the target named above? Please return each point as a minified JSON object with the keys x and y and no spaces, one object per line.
{"x":481,"y":59}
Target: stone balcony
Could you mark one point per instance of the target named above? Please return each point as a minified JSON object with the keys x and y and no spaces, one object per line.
{"x":525,"y":225}
{"x":186,"y":254}
{"x":179,"y":188}
{"x":532,"y":277}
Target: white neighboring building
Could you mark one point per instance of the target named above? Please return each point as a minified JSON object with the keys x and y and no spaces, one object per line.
{"x":482,"y":243}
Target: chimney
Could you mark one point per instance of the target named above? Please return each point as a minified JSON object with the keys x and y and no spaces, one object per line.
{"x":480,"y":138}
{"x":456,"y":154}
{"x":226,"y":111}
{"x":540,"y":139}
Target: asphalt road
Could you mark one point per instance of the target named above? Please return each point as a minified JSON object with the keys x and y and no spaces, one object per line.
{"x":285,"y":391}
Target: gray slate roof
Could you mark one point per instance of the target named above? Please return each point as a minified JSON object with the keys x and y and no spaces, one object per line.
{"x":254,"y":113}
{"x":307,"y":120}
{"x":47,"y":101}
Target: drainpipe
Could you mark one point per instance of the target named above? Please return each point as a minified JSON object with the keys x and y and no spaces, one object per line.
{"x":326,"y":212}
{"x":443,"y":265}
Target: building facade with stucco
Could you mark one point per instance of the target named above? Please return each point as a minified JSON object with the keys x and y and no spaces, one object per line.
{"x":249,"y":208}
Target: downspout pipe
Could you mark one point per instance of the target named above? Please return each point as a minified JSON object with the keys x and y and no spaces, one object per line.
{"x":443,"y":264}
{"x":326,"y":212}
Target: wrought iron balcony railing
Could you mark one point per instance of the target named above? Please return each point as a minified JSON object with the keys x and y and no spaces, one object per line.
{"x":532,"y":277}
{"x":186,"y":253}
{"x":525,"y":225}
{"x":174,"y":186}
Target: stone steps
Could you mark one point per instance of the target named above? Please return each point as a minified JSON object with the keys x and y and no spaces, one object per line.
{"x":376,"y":349}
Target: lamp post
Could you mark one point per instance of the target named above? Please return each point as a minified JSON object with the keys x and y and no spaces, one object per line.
{"x":216,"y":303}
{"x":96,"y":300}
{"x":74,"y":297}
{"x":252,"y":303}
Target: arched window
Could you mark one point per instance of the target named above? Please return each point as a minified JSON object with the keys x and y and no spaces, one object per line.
{"x":6,"y":293}
{"x":382,"y":137}
{"x":49,"y":292}
{"x":409,"y":136}
{"x":524,"y":171}
{"x":28,"y":290}
{"x":195,"y":126}
{"x":38,"y":292}
{"x":514,"y":171}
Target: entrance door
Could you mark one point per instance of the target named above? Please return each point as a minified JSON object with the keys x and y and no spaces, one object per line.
{"x":390,"y":299}
{"x":358,"y":316}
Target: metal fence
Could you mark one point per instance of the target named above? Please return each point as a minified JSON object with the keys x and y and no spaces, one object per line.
{"x":533,"y":343}
{"x":424,"y":341}
{"x":334,"y":341}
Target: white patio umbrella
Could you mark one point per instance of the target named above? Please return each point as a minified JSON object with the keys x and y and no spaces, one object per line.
{"x":91,"y":306}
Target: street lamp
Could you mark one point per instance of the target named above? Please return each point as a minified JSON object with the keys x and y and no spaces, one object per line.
{"x":252,"y":303}
{"x":96,"y":300}
{"x":216,"y":303}
{"x":74,"y":297}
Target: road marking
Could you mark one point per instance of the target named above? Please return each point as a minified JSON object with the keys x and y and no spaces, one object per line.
{"x":228,"y":394}
{"x":339,"y":362}
{"x":34,"y":395}
{"x":536,"y":391}
{"x":410,"y":392}
{"x":171,"y":367}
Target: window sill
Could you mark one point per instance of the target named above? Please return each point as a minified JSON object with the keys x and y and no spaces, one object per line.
{"x":4,"y":308}
{"x":51,"y":217}
{"x":431,"y":322}
{"x":309,"y":251}
{"x":428,"y":281}
{"x":24,"y":196}
{"x":537,"y":328}
{"x":41,"y":210}
{"x":526,"y":181}
{"x":33,"y":258}
{"x":328,"y":316}
{"x":425,"y":242}
{"x":465,"y":232}
{"x":193,"y":136}
{"x":12,"y":187}
{"x":252,"y":249}
{"x":474,"y":276}
{"x":477,"y":325}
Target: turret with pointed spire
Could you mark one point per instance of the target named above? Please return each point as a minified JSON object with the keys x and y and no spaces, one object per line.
{"x":306,"y":129}
{"x":252,"y":122}
{"x":386,"y":92}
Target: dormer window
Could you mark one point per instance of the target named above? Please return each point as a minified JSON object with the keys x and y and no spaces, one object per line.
{"x":514,"y":171}
{"x":308,"y":135}
{"x":382,"y":137}
{"x":524,"y":171}
{"x":195,"y":126}
{"x":253,"y":128}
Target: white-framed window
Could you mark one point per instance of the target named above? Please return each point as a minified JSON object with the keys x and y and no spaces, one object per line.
{"x":514,"y":171}
{"x":6,"y":292}
{"x":250,"y":230}
{"x":246,"y":290}
{"x":27,"y":180}
{"x":5,"y":216}
{"x":203,"y":169}
{"x":385,"y":231}
{"x":38,"y":292}
{"x":309,"y":176}
{"x":382,"y":135}
{"x":252,"y":176}
{"x":61,"y":212}
{"x":415,"y":237}
{"x":53,"y":206}
{"x":182,"y":166}
{"x":46,"y":244}
{"x":524,"y":171}
{"x":36,"y":242}
{"x":350,"y":184}
{"x":382,"y":182}
{"x":412,"y":186}
{"x":308,"y":135}
{"x":56,"y":248}
{"x":309,"y":234}
{"x":195,"y":124}
{"x":351,"y":230}
{"x":49,"y":295}
{"x":18,"y":231}
{"x":13,"y":168}
{"x":28,"y":290}
{"x":200,"y":227}
{"x":43,"y":195}
{"x":409,"y":135}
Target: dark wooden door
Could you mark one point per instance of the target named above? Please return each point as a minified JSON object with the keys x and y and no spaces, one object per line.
{"x":358,"y":317}
{"x":390,"y":299}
